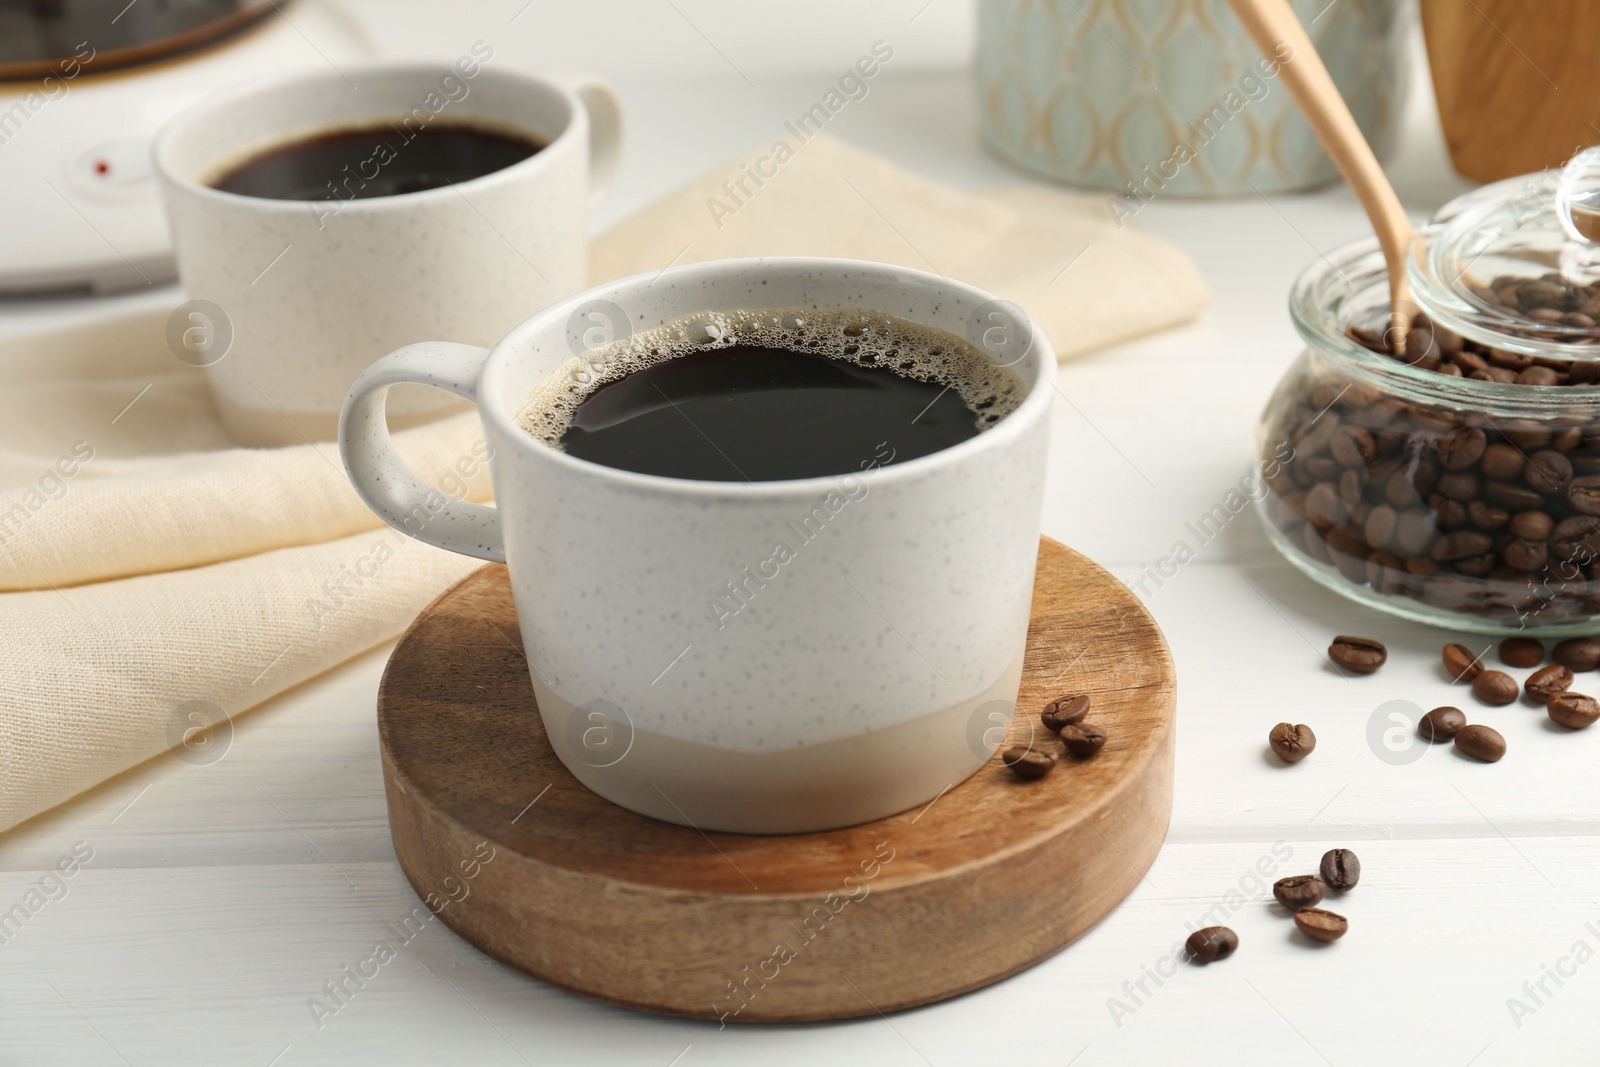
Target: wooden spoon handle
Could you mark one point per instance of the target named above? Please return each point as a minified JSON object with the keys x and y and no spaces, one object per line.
{"x":1272,"y":25}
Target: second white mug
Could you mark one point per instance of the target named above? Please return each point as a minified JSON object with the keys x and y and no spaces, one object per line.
{"x":293,"y":298}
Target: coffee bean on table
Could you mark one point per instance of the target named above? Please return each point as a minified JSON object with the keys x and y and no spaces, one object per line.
{"x":1481,"y":742}
{"x":1361,"y":655}
{"x":1521,"y":652}
{"x":1495,"y":687}
{"x":1292,"y":743}
{"x":1441,"y":724}
{"x":1578,"y":653}
{"x":1340,"y":869}
{"x":1573,"y":710}
{"x":1083,"y":739}
{"x":1028,"y":763}
{"x":1546,"y":682}
{"x":1063,"y":712}
{"x":1461,"y":663}
{"x":1211,"y":944}
{"x":1320,"y":925}
{"x":1298,"y":891}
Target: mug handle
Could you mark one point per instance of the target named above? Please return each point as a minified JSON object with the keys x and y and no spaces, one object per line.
{"x":382,"y":479}
{"x":605,"y":136}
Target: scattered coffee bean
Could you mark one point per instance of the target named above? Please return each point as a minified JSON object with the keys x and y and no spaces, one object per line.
{"x":1495,"y":687}
{"x":1298,"y":891}
{"x":1028,"y":763}
{"x":1546,"y":682}
{"x":1481,"y":742}
{"x":1361,"y":655}
{"x":1320,"y":925}
{"x":1521,"y":652}
{"x":1211,"y":944}
{"x":1292,"y":743}
{"x":1573,"y":710}
{"x":1083,"y":739}
{"x":1340,"y":869}
{"x":1441,"y":724}
{"x":1461,"y":663}
{"x":1065,"y":711}
{"x":1578,"y":653}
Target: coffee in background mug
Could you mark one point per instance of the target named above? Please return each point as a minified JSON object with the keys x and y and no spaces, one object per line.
{"x":768,"y":654}
{"x":454,"y":205}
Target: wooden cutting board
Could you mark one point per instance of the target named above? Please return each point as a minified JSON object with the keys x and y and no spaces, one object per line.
{"x":993,"y":876}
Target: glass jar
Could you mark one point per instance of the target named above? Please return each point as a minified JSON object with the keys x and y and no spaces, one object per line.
{"x":1428,"y":484}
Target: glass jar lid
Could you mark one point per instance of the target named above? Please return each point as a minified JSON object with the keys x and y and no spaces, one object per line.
{"x":1516,"y":265}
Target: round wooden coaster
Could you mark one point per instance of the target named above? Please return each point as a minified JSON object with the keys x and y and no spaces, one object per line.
{"x":992,"y":876}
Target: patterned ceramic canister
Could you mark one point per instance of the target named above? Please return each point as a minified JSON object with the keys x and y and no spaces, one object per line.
{"x":1159,"y":97}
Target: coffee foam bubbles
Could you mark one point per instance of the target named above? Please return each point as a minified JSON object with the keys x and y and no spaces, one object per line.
{"x":865,"y":338}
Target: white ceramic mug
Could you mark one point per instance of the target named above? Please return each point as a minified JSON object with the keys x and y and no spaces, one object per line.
{"x":295,"y":298}
{"x":865,"y":670}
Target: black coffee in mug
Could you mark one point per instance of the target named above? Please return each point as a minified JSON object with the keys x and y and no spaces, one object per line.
{"x":380,"y":160}
{"x":772,"y":395}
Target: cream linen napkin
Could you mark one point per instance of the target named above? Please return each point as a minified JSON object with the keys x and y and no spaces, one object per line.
{"x":242,"y":572}
{"x":1084,"y":280}
{"x":150,"y":572}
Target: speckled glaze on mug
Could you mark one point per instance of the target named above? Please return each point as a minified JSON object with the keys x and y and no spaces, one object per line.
{"x":865,"y":668}
{"x":315,"y":291}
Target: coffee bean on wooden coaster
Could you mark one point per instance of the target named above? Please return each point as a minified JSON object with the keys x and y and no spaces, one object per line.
{"x":1521,"y":652}
{"x":1292,"y":743}
{"x":1298,"y":891}
{"x":1083,"y":739}
{"x":1495,"y":687}
{"x":1320,"y":925}
{"x":1029,"y":763}
{"x":1546,"y":682}
{"x":1065,"y":712}
{"x":1573,"y":710}
{"x":1481,"y":742}
{"x":1578,"y":653}
{"x":1360,"y":655}
{"x":1340,"y":869}
{"x":1441,"y":724}
{"x":1211,"y":944}
{"x":1461,"y":664}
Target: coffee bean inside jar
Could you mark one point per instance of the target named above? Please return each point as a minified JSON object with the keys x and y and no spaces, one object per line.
{"x":1465,"y":511}
{"x":1455,"y":478}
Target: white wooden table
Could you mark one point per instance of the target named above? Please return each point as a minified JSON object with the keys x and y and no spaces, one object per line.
{"x":221,"y":898}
